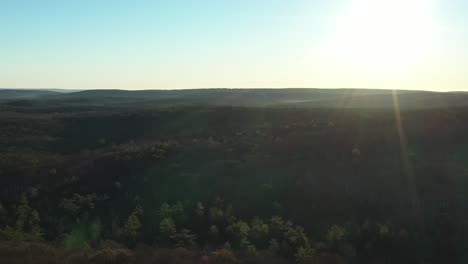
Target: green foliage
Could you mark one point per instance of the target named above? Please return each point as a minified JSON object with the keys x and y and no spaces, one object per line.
{"x":248,"y":247}
{"x":238,"y":231}
{"x":175,"y":212}
{"x":133,"y":226}
{"x":77,"y":238}
{"x":259,"y":232}
{"x":83,"y":235}
{"x":232,"y":151}
{"x":178,"y":213}
{"x":251,"y":250}
{"x":26,"y":224}
{"x":78,"y":205}
{"x":220,"y":213}
{"x":336,"y":239}
{"x":244,"y":243}
{"x":12,"y":234}
{"x":167,"y":227}
{"x":185,"y":238}
{"x":282,"y":239}
{"x":165,"y":211}
{"x":240,"y":228}
{"x":305,"y":254}
{"x":94,"y":230}
{"x":296,"y":236}
{"x":277,"y":226}
{"x":335,"y":234}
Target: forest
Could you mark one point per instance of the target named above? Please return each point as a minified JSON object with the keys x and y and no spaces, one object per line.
{"x":233,"y":176}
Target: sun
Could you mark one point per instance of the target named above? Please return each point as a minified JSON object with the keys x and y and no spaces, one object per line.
{"x":388,"y":35}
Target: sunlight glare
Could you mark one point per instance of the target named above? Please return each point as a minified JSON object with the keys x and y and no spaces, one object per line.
{"x":384,"y":35}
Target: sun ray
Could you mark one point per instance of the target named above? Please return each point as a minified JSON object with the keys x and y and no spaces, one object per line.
{"x":382,"y":37}
{"x":401,"y":135}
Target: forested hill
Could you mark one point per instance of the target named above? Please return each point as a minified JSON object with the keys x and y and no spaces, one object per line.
{"x":332,"y":98}
{"x":234,"y":176}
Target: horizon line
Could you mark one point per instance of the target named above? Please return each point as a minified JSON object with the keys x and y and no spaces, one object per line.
{"x":232,"y":88}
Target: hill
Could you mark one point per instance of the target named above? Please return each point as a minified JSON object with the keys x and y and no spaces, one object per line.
{"x":309,"y":98}
{"x":15,"y":94}
{"x":258,"y":176}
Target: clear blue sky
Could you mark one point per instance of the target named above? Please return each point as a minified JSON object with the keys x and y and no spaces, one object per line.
{"x":141,"y":44}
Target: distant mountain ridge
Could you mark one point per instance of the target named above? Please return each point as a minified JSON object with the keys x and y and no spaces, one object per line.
{"x":9,"y":94}
{"x":290,"y":97}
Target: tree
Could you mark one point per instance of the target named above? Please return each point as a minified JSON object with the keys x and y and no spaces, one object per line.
{"x":165,"y":211}
{"x":336,"y":240}
{"x":238,"y":231}
{"x":167,"y":227}
{"x":277,"y":226}
{"x":296,"y":236}
{"x":175,"y":212}
{"x":26,"y":226}
{"x":305,"y":254}
{"x":133,"y":225}
{"x":79,"y":206}
{"x":27,"y":219}
{"x":178,"y":213}
{"x":248,"y":247}
{"x":184,"y":239}
{"x":335,"y":234}
{"x":77,"y":238}
{"x":259,"y":232}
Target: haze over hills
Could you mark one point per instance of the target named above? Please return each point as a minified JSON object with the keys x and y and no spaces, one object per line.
{"x":298,"y":97}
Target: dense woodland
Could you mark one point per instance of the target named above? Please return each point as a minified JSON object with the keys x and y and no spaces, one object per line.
{"x":200,"y":177}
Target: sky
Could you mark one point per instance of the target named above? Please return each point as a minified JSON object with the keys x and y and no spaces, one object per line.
{"x":151,"y":44}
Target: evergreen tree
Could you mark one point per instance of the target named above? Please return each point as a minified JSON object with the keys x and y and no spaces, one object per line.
{"x":184,"y":239}
{"x":305,"y":254}
{"x":167,"y":228}
{"x":259,"y":232}
{"x":133,"y":226}
{"x":27,"y":219}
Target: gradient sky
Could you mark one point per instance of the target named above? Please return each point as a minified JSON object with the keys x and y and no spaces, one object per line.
{"x":142,"y":44}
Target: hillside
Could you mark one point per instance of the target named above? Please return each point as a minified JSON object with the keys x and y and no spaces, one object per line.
{"x":15,"y":94}
{"x":258,"y":175}
{"x":311,"y":98}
